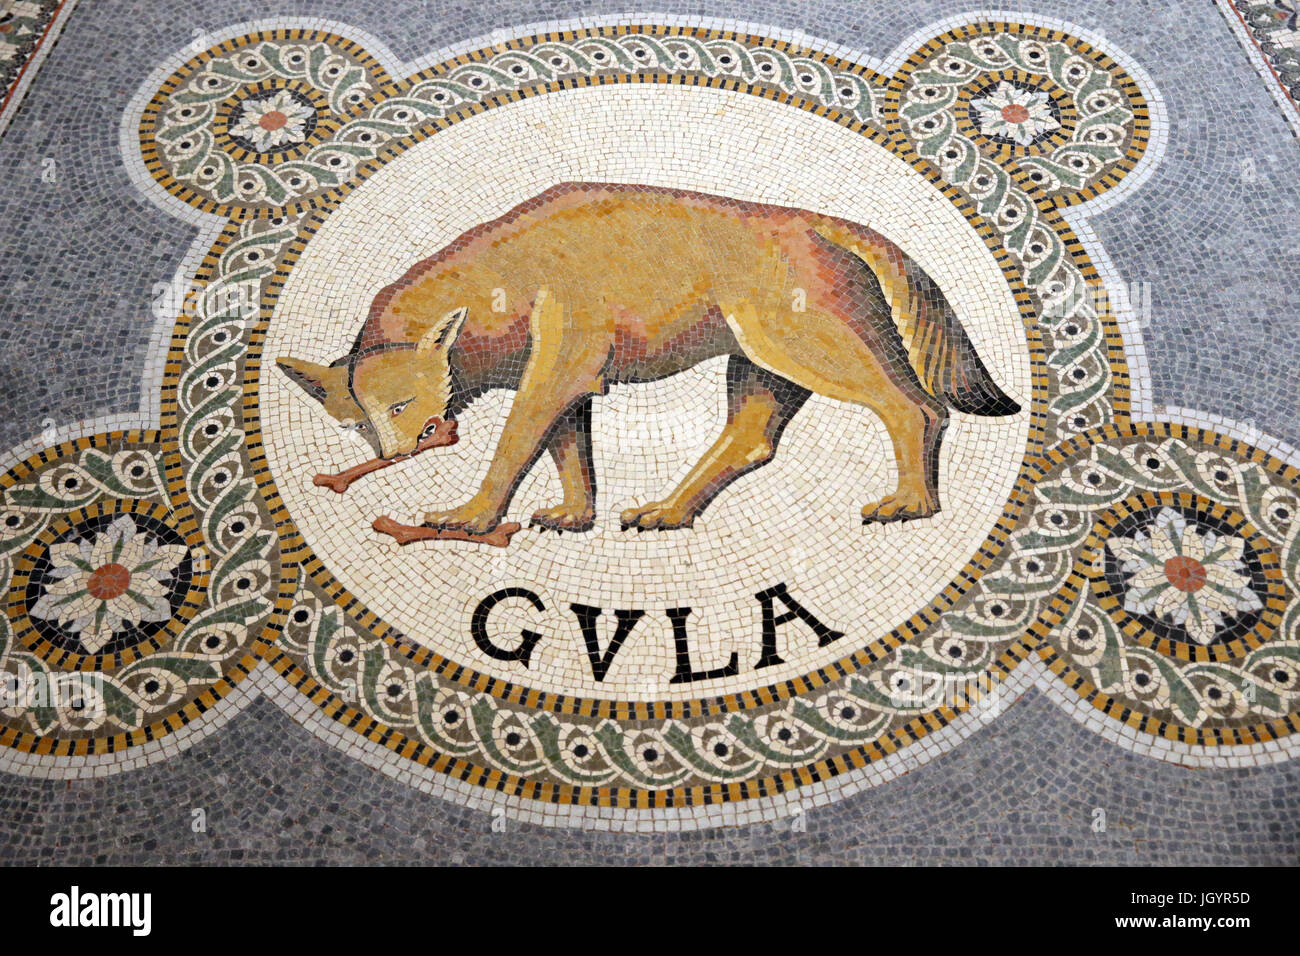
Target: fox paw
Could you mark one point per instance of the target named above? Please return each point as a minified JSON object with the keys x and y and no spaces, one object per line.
{"x":564,"y":518}
{"x":463,"y":519}
{"x":899,"y":507}
{"x":658,"y":515}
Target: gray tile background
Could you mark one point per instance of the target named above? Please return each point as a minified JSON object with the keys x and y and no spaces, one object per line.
{"x":1213,"y":232}
{"x":1020,"y":791}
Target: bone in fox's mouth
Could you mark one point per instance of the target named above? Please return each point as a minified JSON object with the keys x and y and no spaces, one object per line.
{"x":437,"y":433}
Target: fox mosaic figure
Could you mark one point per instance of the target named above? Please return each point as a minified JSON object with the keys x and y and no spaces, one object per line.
{"x":608,"y":284}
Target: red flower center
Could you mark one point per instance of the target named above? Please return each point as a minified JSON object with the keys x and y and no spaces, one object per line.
{"x":1015,"y":113}
{"x":273,"y":120}
{"x":1186,"y":574}
{"x":108,"y":582}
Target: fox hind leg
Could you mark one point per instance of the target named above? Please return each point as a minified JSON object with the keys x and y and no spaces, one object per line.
{"x":570,"y":449}
{"x":916,"y":432}
{"x":759,"y":406}
{"x":831,"y":358}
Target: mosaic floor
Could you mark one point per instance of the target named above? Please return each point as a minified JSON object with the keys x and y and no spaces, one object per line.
{"x":811,"y":433}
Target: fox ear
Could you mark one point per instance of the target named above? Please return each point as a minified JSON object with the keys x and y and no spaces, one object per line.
{"x":443,"y":332}
{"x":316,"y":380}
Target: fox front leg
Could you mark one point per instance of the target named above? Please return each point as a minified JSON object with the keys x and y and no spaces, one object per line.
{"x":759,"y":406}
{"x":566,"y":364}
{"x":570,"y":448}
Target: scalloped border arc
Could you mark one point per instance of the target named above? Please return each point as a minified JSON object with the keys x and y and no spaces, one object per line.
{"x":387,"y":87}
{"x":1078,"y":581}
{"x":897,"y":142}
{"x":154,"y":441}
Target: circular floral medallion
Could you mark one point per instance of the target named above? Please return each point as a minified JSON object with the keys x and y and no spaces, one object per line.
{"x":1014,"y":113}
{"x":256,"y":123}
{"x":1054,"y":110}
{"x":1192,"y":579}
{"x":110,"y":583}
{"x":272,"y":121}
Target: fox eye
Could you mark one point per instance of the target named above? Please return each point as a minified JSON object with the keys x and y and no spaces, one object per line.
{"x":398,"y":408}
{"x":361,"y":427}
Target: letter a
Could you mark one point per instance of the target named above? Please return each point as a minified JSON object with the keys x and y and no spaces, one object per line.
{"x":771,"y":621}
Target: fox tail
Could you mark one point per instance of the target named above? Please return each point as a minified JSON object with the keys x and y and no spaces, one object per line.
{"x":937,"y":347}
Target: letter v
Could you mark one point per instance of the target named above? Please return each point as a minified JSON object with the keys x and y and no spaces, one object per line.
{"x":586,"y":616}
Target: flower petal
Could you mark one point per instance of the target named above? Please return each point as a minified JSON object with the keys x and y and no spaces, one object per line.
{"x":1230,"y":589}
{"x":1148,"y":576}
{"x":70,"y":554}
{"x":133,"y":552}
{"x":1135,"y":551}
{"x":1201,"y":621}
{"x":67,"y":586}
{"x":164,"y":560}
{"x":1210,"y":600}
{"x":149,"y":600}
{"x":1227,"y":549}
{"x":109,"y":543}
{"x":124,"y":607}
{"x":1227,"y":576}
{"x":1172,"y":603}
{"x":82,"y":621}
{"x":1166,"y":534}
{"x":1143,"y":600}
{"x":97,"y":634}
{"x":63,"y":606}
{"x":1194,"y":544}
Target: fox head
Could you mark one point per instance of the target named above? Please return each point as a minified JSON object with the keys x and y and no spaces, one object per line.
{"x":393,"y":394}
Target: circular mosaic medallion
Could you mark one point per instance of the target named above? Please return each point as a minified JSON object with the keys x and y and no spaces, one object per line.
{"x":272,"y":118}
{"x":255,"y":123}
{"x":735,"y":496}
{"x":1012,"y":109}
{"x":1059,"y":111}
{"x":106,"y":585}
{"x":1186,"y":576}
